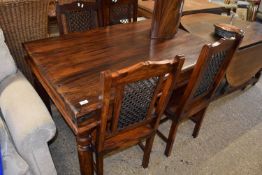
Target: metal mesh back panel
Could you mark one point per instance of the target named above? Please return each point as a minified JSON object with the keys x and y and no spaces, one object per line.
{"x":136,"y":101}
{"x":120,"y":14}
{"x":213,"y":66}
{"x":79,"y":21}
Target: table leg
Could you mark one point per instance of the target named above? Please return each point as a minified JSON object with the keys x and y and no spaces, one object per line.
{"x":85,"y":154}
{"x":257,"y":76}
{"x":43,"y":94}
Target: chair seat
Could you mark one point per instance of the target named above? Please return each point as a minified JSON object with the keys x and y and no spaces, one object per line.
{"x":171,"y":111}
{"x":128,"y":138}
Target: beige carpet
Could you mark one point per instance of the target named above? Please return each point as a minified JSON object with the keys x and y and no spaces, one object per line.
{"x":229,"y":143}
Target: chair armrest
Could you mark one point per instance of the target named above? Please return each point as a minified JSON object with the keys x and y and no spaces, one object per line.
{"x":12,"y":161}
{"x":26,"y":116}
{"x":24,"y":112}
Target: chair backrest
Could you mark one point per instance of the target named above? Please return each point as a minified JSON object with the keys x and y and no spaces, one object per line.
{"x":207,"y":74}
{"x":119,"y":11}
{"x":129,"y":96}
{"x":61,"y":2}
{"x":22,"y":21}
{"x":77,"y":16}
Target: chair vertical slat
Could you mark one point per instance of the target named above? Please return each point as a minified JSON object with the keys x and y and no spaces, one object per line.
{"x":169,"y":87}
{"x":106,"y":82}
{"x":117,"y":107}
{"x":155,"y":96}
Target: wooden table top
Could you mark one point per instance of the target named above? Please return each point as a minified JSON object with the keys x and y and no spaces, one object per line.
{"x":202,"y":25}
{"x":69,"y":66}
{"x":190,"y":5}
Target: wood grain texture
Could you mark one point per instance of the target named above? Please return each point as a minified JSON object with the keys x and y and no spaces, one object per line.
{"x":85,"y":154}
{"x":248,"y":60}
{"x":166,"y":18}
{"x":69,"y":66}
{"x":245,"y":65}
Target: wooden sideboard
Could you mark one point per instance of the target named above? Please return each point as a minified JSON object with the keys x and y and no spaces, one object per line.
{"x":146,"y":7}
{"x":248,"y":60}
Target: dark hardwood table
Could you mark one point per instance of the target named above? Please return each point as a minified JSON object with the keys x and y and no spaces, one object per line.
{"x":68,"y":67}
{"x":247,"y":62}
{"x":146,"y":7}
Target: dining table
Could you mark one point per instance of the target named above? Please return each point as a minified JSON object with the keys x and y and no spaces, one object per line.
{"x":246,"y":65}
{"x":146,"y":7}
{"x":67,"y":69}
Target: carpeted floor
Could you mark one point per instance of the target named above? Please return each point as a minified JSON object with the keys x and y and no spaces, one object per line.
{"x":229,"y":143}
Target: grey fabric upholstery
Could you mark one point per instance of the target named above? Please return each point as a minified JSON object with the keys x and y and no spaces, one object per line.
{"x":12,"y":161}
{"x":29,"y":123}
{"x":7,"y":64}
{"x":26,"y":117}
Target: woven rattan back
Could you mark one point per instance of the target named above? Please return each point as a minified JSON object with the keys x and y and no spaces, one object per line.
{"x":208,"y":72}
{"x":135,"y":90}
{"x":77,"y":16}
{"x":22,"y":21}
{"x":120,"y":11}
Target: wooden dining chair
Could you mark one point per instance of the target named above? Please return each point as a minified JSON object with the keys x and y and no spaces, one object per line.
{"x":70,"y":1}
{"x":207,"y":74}
{"x":119,"y":11}
{"x":77,"y":16}
{"x":128,"y":114}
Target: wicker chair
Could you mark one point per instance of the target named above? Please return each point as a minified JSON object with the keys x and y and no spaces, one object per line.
{"x":22,"y":21}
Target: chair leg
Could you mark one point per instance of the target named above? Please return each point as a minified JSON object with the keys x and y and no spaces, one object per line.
{"x":243,"y":88}
{"x":257,"y":76}
{"x":147,"y":151}
{"x":171,"y":138}
{"x":99,"y":164}
{"x":200,"y":117}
